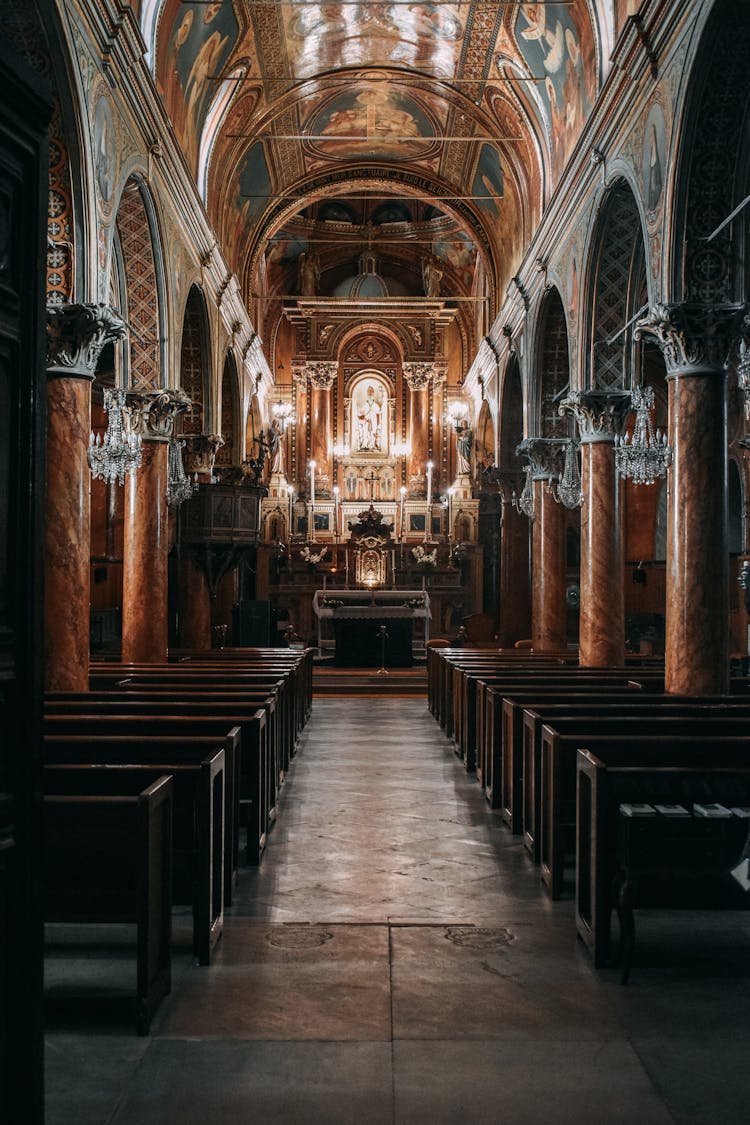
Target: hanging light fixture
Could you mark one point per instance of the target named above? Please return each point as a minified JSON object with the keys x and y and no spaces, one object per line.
{"x":568,"y":491}
{"x":284,"y":411}
{"x":525,"y":502}
{"x":646,"y":455}
{"x":179,"y":485}
{"x":119,"y":452}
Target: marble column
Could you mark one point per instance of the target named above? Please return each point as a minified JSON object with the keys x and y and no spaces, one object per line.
{"x":417,"y":376}
{"x":515,"y":587}
{"x":146,"y":540}
{"x":696,"y":341}
{"x":195,"y":603}
{"x":548,"y":607}
{"x":600,"y":416}
{"x":76,"y":335}
{"x":322,"y":377}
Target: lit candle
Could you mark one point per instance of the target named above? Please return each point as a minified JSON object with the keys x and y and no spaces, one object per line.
{"x":429,"y":483}
{"x":401,"y":519}
{"x":450,"y":515}
{"x":336,"y":510}
{"x":312,"y":482}
{"x":290,"y":492}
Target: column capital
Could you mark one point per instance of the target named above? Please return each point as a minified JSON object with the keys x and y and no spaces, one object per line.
{"x":299,"y":375}
{"x":544,"y":455}
{"x":599,"y":415}
{"x":417,"y":375}
{"x":153,"y":413}
{"x":200,"y":452}
{"x":694,"y":338}
{"x":322,"y":373}
{"x":76,"y":335}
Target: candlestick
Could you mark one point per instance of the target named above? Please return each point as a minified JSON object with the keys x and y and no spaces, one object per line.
{"x":401,"y":518}
{"x":450,"y":515}
{"x":336,"y":511}
{"x":312,"y":482}
{"x":429,"y":483}
{"x":290,"y":493}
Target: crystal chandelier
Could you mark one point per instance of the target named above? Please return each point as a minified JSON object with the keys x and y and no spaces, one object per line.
{"x":179,"y":485}
{"x":525,"y":502}
{"x":119,"y":452}
{"x":646,"y":455}
{"x":284,"y":411}
{"x":743,"y":375}
{"x":568,"y":491}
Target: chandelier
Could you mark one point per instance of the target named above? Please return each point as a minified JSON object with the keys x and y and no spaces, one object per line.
{"x":119,"y":452}
{"x":179,"y":485}
{"x":646,"y":455}
{"x":525,"y":502}
{"x":284,"y":411}
{"x":568,"y":491}
{"x":743,"y":375}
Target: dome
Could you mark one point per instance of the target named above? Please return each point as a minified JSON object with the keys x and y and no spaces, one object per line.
{"x":368,"y":282}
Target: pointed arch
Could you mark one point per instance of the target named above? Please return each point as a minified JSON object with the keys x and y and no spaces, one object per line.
{"x":511,"y":416}
{"x":195,"y":365}
{"x":229,"y":400}
{"x":552,"y":368}
{"x":144,"y":285}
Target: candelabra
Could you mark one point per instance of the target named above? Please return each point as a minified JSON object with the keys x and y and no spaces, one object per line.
{"x":119,"y":452}
{"x":646,"y":455}
{"x":568,"y":491}
{"x":179,"y":485}
{"x":525,"y":502}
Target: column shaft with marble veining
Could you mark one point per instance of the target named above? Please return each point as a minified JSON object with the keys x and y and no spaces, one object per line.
{"x":76,"y":336}
{"x":146,"y":539}
{"x":322,"y":378}
{"x":515,"y":586}
{"x":549,"y":611}
{"x":195,"y":603}
{"x":417,"y":377}
{"x":696,"y":342}
{"x":600,"y":416}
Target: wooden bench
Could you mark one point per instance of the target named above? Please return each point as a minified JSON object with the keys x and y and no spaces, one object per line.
{"x":681,"y":772}
{"x":197,"y":769}
{"x":107,"y":858}
{"x":559,"y":750}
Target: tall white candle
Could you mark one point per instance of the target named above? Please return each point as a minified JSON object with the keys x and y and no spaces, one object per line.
{"x":290,"y":492}
{"x":429,"y":483}
{"x":336,"y":510}
{"x":401,"y":517}
{"x":312,"y":482}
{"x":450,"y":515}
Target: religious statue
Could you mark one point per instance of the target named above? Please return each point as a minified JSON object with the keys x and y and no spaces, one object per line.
{"x":464,"y":444}
{"x":432,"y":275}
{"x":308,"y":274}
{"x":368,"y":422}
{"x":276,"y":448}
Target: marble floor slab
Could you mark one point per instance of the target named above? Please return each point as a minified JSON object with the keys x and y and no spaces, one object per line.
{"x":395,"y":960}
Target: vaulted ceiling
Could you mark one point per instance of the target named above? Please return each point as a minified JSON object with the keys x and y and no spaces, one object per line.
{"x":423,"y":131}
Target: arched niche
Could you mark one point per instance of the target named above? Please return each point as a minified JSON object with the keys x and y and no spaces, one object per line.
{"x":195,"y":365}
{"x":369,"y":414}
{"x":552,"y":366}
{"x":142,"y":273}
{"x":228,"y":453}
{"x":485,"y":438}
{"x":617,"y":288}
{"x":511,"y":417}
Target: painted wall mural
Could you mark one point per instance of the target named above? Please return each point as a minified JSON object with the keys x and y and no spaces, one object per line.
{"x":460,"y":253}
{"x":557,"y":44}
{"x":396,"y":124}
{"x":254,"y":186}
{"x":488,"y":182}
{"x":654,"y":157}
{"x":195,"y":41}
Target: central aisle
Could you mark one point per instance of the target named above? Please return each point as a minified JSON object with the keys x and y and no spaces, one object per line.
{"x":394,"y":961}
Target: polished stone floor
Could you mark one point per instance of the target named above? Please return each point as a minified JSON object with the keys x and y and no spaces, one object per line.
{"x":394,"y":960}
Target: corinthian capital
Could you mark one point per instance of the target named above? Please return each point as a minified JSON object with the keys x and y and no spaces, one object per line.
{"x":417,"y":375}
{"x":154,"y":412}
{"x":200,"y":452}
{"x":322,"y":373}
{"x":76,"y":335}
{"x":599,"y":414}
{"x":693,"y":337}
{"x":545,"y":456}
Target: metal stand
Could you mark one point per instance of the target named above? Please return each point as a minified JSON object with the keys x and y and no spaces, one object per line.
{"x":383,"y":634}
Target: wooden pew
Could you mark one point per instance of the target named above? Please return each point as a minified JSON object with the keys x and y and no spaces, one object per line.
{"x":558,"y":770}
{"x":682,"y":771}
{"x":551,"y":711}
{"x":139,"y":726}
{"x":256,"y":789}
{"x":107,"y":858}
{"x":197,"y":769}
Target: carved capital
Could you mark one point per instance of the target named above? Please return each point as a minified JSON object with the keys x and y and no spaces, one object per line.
{"x":322,"y":374}
{"x":693,"y":337}
{"x":599,"y":415}
{"x":417,"y":375}
{"x":153,"y":413}
{"x":76,"y":335}
{"x":299,"y":375}
{"x":200,"y":452}
{"x":545,"y":456}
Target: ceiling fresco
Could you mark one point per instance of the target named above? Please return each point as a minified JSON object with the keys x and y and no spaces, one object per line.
{"x":425,"y":131}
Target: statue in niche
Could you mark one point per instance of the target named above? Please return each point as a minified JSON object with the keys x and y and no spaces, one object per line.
{"x":308,"y":274}
{"x":432,"y":276}
{"x":369,"y":421}
{"x":464,"y":445}
{"x":276,"y":447}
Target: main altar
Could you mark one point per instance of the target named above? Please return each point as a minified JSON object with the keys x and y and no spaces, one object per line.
{"x":362,"y":628}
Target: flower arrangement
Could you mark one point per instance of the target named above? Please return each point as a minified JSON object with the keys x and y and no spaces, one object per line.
{"x":424,"y":558}
{"x":309,"y":557}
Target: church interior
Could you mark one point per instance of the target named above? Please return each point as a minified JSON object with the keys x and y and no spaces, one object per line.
{"x":375,"y":561}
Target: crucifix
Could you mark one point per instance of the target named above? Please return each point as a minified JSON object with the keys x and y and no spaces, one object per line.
{"x":371,"y":480}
